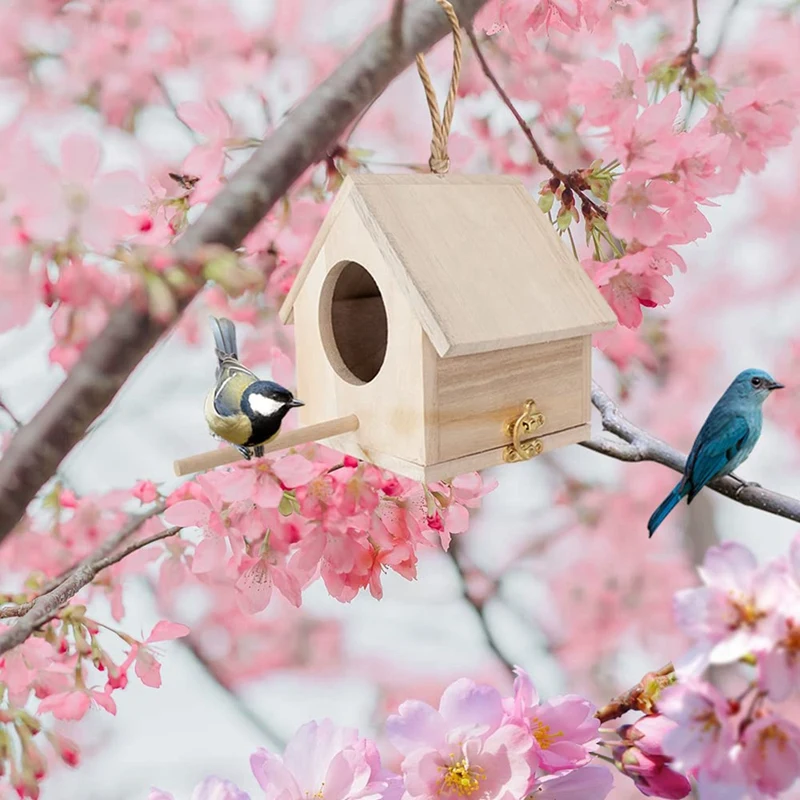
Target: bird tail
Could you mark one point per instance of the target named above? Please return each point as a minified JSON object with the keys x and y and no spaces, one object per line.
{"x":224,"y":338}
{"x":669,"y":502}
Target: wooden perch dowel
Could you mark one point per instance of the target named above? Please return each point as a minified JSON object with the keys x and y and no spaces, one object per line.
{"x":227,"y":455}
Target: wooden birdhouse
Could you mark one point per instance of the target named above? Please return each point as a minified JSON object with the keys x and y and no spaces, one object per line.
{"x":434,"y":308}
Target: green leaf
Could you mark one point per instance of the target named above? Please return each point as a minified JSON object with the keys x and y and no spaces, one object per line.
{"x":286,"y":506}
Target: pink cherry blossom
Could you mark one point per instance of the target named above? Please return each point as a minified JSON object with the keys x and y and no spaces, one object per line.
{"x":74,"y":704}
{"x":147,"y":667}
{"x":559,"y":15}
{"x":564,"y":729}
{"x":638,"y":206}
{"x":207,"y":160}
{"x":586,"y":783}
{"x":626,"y":292}
{"x":211,"y":788}
{"x":704,"y":735}
{"x":323,"y":760}
{"x":753,"y":119}
{"x":770,"y":756}
{"x":206,"y":514}
{"x":729,"y":616}
{"x":91,"y":204}
{"x":463,"y":747}
{"x":642,"y":758}
{"x":261,"y":574}
{"x":145,"y":491}
{"x":605,"y":90}
{"x":646,"y":142}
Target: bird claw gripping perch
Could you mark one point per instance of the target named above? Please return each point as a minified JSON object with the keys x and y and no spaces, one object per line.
{"x":526,"y":423}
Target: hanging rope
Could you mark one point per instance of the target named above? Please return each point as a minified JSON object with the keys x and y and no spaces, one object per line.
{"x":439,"y":161}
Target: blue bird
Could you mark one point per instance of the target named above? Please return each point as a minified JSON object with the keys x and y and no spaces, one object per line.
{"x":726,"y":439}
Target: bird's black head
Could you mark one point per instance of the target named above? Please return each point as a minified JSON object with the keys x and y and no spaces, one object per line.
{"x":267,"y":400}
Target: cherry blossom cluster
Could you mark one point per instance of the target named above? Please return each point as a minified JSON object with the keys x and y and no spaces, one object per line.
{"x":68,"y":669}
{"x":475,"y":744}
{"x":670,"y":170}
{"x":285,"y":522}
{"x":658,"y":161}
{"x":732,"y":739}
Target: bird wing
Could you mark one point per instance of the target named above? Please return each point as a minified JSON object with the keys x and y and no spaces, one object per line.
{"x":233,"y":380}
{"x":717,"y":445}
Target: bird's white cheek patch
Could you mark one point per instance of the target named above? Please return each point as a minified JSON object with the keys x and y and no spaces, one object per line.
{"x":264,"y":406}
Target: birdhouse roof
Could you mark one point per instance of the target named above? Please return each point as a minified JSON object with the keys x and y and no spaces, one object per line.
{"x":481,"y":265}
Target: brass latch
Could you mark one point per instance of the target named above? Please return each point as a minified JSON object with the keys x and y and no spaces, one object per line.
{"x":526,"y":423}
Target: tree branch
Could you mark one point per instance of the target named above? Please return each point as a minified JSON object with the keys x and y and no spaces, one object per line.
{"x":638,"y":445}
{"x":639,"y":697}
{"x":686,"y":57}
{"x":478,"y":606}
{"x":301,"y":140}
{"x":723,"y":34}
{"x":242,"y":706}
{"x":10,"y":414}
{"x":57,"y":594}
{"x":569,"y":180}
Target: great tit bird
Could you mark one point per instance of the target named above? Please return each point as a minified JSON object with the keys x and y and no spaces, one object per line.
{"x":241,"y":409}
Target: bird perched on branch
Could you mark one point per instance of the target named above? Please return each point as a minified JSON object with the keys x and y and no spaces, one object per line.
{"x":241,"y":409}
{"x":726,"y":439}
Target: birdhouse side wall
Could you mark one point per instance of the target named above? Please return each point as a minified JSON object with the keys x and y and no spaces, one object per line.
{"x":478,"y":394}
{"x":391,"y":407}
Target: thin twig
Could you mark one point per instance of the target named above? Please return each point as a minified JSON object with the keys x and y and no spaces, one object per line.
{"x":173,"y":107}
{"x":13,"y":417}
{"x":638,"y":445}
{"x":134,"y":546}
{"x":686,"y":57}
{"x":110,"y":545}
{"x":244,"y":708}
{"x":568,"y":180}
{"x":639,"y":697}
{"x":302,"y":139}
{"x":47,"y":605}
{"x":23,"y":608}
{"x":478,"y":606}
{"x":723,"y":34}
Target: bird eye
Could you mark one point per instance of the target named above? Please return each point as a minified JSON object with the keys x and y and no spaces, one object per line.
{"x":756,"y":382}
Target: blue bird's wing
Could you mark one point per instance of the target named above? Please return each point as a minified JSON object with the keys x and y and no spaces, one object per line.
{"x":715,"y":451}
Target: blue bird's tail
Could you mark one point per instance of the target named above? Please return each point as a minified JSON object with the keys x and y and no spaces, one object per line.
{"x":660,"y":514}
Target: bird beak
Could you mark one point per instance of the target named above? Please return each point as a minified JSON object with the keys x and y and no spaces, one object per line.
{"x":776,"y":385}
{"x":295,"y":403}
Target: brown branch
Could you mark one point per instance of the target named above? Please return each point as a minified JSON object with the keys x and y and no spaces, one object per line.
{"x":639,"y":697}
{"x":134,"y":546}
{"x":396,"y":24}
{"x":20,"y":610}
{"x":45,"y":607}
{"x":478,"y":606}
{"x":569,"y":180}
{"x":11,"y":415}
{"x":242,"y":706}
{"x":723,"y":34}
{"x":686,"y":57}
{"x":301,"y":140}
{"x":638,"y":445}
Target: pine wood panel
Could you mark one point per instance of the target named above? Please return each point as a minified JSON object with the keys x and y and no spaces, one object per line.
{"x":484,"y":268}
{"x":478,"y":394}
{"x":391,"y":407}
{"x":480,"y":264}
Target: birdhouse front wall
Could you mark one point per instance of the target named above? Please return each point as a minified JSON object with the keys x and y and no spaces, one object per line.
{"x":478,"y":394}
{"x":339,"y":335}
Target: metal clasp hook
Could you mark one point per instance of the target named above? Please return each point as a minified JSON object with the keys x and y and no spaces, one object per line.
{"x":526,"y":423}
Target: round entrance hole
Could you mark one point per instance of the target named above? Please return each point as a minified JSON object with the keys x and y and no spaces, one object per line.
{"x":353,"y":326}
